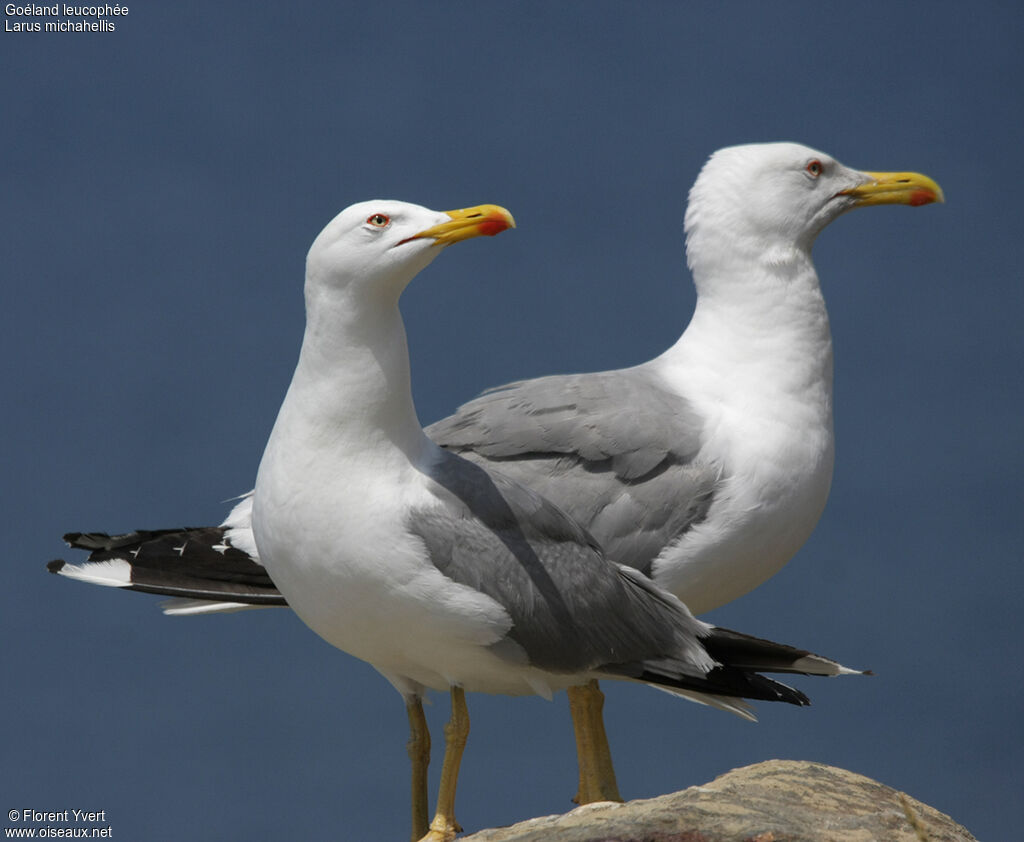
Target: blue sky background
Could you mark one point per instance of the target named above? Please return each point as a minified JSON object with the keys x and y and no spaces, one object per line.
{"x":161,"y":185}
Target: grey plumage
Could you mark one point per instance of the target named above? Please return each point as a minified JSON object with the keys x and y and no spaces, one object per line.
{"x":572,"y":610}
{"x":615,"y":449}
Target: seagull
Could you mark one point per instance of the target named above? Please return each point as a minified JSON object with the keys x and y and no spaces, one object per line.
{"x":442,"y":573}
{"x":706,"y":468}
{"x":709,"y":466}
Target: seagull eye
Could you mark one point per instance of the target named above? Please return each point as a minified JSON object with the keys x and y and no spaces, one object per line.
{"x":379,"y":220}
{"x":815,"y":168}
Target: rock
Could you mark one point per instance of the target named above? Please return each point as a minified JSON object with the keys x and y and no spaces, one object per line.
{"x":775,"y":801}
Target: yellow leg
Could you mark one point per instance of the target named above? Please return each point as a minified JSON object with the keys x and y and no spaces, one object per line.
{"x":444,"y":827}
{"x":419,"y":755}
{"x":597,"y":774}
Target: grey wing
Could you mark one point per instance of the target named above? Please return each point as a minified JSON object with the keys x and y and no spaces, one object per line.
{"x":572,"y":610}
{"x":616,"y":450}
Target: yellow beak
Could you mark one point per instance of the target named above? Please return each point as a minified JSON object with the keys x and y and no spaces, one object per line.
{"x":896,"y":188}
{"x":481,"y":221}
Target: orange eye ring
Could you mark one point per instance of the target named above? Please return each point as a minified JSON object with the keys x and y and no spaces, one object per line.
{"x":378,"y":220}
{"x":815,"y":168}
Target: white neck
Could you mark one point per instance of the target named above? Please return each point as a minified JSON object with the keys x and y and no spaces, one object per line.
{"x":760,"y":328}
{"x":350,"y":398}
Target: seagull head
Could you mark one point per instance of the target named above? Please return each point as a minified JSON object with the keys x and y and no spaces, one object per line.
{"x":375,"y":248}
{"x":776,"y":195}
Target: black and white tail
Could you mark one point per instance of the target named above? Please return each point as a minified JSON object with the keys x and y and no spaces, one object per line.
{"x":207,"y":569}
{"x":740,"y":659}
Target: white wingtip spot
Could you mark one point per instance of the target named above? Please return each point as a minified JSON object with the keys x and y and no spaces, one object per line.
{"x":726,"y":703}
{"x":114,"y":573}
{"x":816,"y":665}
{"x":199,"y":607}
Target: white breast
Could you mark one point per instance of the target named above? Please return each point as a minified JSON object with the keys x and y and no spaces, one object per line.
{"x":765,"y":397}
{"x":770,"y":500}
{"x":347,"y":565}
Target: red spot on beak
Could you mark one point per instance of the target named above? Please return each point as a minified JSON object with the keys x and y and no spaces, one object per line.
{"x":490,"y":227}
{"x":921,"y":197}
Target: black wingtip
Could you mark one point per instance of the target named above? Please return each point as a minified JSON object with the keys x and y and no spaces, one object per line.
{"x":56,"y":565}
{"x":89,"y":540}
{"x":783,"y":692}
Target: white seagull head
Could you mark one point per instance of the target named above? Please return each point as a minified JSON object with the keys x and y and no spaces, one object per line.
{"x":773,"y":195}
{"x":375,"y":248}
